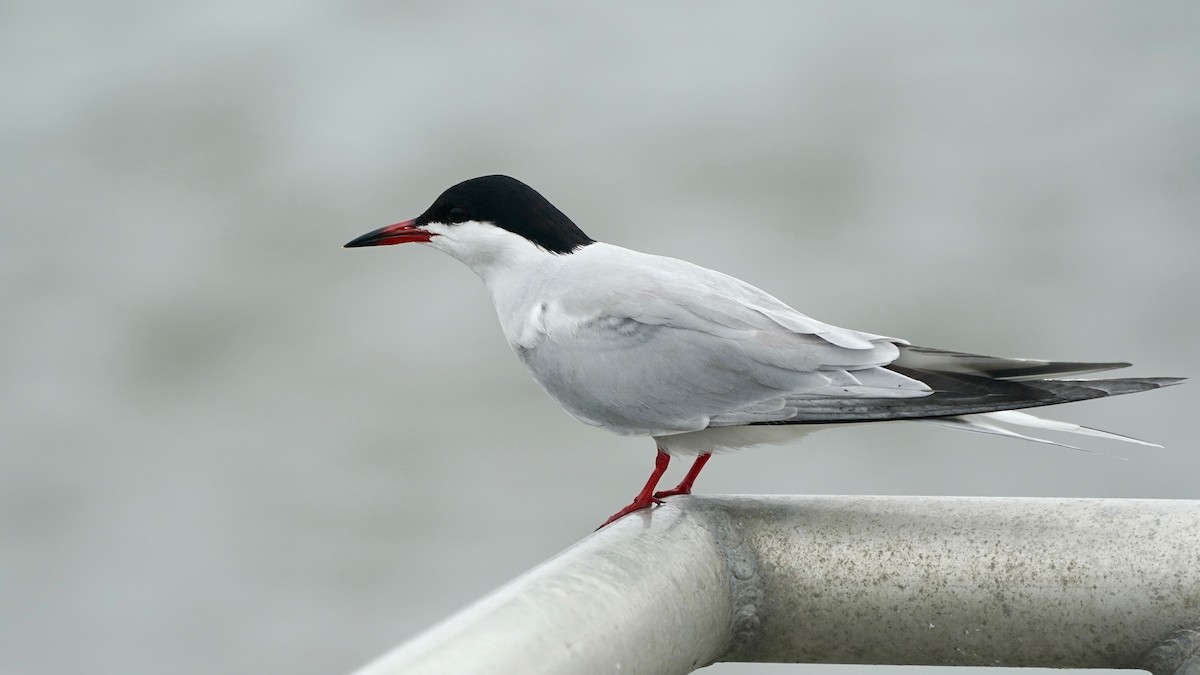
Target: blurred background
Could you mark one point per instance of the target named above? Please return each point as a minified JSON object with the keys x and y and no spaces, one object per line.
{"x":227,"y":445}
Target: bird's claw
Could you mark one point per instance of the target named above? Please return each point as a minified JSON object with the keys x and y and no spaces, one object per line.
{"x":637,"y":505}
{"x":675,"y":492}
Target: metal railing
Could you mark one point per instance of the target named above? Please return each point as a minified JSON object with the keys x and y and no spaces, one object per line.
{"x":1071,"y":583}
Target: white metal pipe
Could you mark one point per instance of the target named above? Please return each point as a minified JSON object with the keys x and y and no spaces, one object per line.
{"x":644,"y":595}
{"x":1070,"y":583}
{"x":888,"y":580}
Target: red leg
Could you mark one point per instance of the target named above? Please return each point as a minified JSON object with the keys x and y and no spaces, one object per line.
{"x":685,"y":485}
{"x":645,"y":498}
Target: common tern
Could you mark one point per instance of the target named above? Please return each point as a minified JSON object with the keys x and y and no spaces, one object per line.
{"x":645,"y":345}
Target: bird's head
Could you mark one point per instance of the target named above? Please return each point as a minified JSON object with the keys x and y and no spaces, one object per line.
{"x":481,"y":219}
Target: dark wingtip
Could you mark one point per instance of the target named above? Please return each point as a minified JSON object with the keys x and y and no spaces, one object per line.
{"x":1168,"y":381}
{"x":1126,"y":385}
{"x":1056,"y":368}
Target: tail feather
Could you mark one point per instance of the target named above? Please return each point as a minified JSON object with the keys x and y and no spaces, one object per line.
{"x":993,"y":423}
{"x":980,"y":424}
{"x":1023,"y":419}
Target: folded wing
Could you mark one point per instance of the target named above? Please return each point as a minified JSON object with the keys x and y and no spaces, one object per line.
{"x":670,"y":347}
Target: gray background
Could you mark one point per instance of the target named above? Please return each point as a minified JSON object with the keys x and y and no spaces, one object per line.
{"x":228,"y":445}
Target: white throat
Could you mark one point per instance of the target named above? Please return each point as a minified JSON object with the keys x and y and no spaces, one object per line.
{"x":516,"y":271}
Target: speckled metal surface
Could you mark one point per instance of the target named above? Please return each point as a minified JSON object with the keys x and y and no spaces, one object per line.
{"x":968,"y":581}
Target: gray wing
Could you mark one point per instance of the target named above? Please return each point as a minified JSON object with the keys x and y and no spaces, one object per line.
{"x":660,"y":379}
{"x":635,"y":378}
{"x":660,"y":356}
{"x":664,"y":346}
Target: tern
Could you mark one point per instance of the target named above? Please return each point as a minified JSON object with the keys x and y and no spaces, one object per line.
{"x":645,"y":345}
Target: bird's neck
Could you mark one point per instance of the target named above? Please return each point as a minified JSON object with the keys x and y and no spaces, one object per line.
{"x":517,"y":292}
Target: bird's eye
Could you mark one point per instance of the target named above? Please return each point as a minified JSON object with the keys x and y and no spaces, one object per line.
{"x":458,"y":215}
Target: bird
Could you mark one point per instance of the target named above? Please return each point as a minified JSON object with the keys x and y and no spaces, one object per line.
{"x":702,"y":362}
